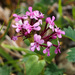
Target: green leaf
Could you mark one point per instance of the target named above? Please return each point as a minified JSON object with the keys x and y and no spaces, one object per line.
{"x":71,"y":55}
{"x":27,"y":42}
{"x":5,"y":55}
{"x":52,"y":69}
{"x":9,"y":58}
{"x":5,"y":70}
{"x":33,"y":65}
{"x":18,"y":48}
{"x":69,"y":21}
{"x":60,"y":8}
{"x":70,"y":33}
{"x":73,"y":11}
{"x":1,"y":27}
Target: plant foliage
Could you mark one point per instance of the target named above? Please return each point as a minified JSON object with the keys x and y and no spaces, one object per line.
{"x":70,"y":33}
{"x":71,"y":55}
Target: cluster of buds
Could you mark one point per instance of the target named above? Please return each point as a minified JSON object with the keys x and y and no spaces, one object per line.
{"x":40,"y":40}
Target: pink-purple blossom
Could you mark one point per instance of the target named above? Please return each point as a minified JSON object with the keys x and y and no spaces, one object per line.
{"x":27,"y":26}
{"x":59,"y":32}
{"x":37,"y":42}
{"x":50,"y":22}
{"x":58,"y":48}
{"x":38,"y":14}
{"x":35,"y":26}
{"x":14,"y":38}
{"x":30,"y":13}
{"x":34,"y":14}
{"x":47,"y":50}
{"x":17,"y":26}
{"x":19,"y":17}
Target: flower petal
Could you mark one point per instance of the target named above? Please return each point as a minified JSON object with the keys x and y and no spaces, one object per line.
{"x":59,"y":35}
{"x":20,"y":22}
{"x":27,"y":13}
{"x":59,"y":50}
{"x":48,"y":54}
{"x":40,"y":21}
{"x":56,"y":52}
{"x":41,"y":41}
{"x":62,"y":32}
{"x":15,"y":15}
{"x":37,"y":28}
{"x":32,"y":48}
{"x":49,"y":44}
{"x":53,"y":18}
{"x":32,"y":44}
{"x":36,"y":24}
{"x":30,"y":9}
{"x":38,"y":48}
{"x":44,"y":51}
{"x":14,"y":38}
{"x":17,"y":19}
{"x":48,"y":19}
{"x":37,"y":37}
{"x":14,"y":26}
{"x":17,"y":30}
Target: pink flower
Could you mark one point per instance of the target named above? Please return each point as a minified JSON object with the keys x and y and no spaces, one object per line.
{"x":27,"y":26}
{"x":51,"y":22}
{"x":34,"y":14}
{"x":38,"y":14}
{"x":30,"y":13}
{"x":57,"y":49}
{"x":59,"y":32}
{"x":54,"y":37}
{"x":14,"y":38}
{"x":49,"y":44}
{"x":19,"y":17}
{"x":18,"y":27}
{"x":36,"y":25}
{"x":37,"y":42}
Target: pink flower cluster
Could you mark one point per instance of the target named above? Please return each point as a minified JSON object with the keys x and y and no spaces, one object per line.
{"x":22,"y":23}
{"x":25,"y":27}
